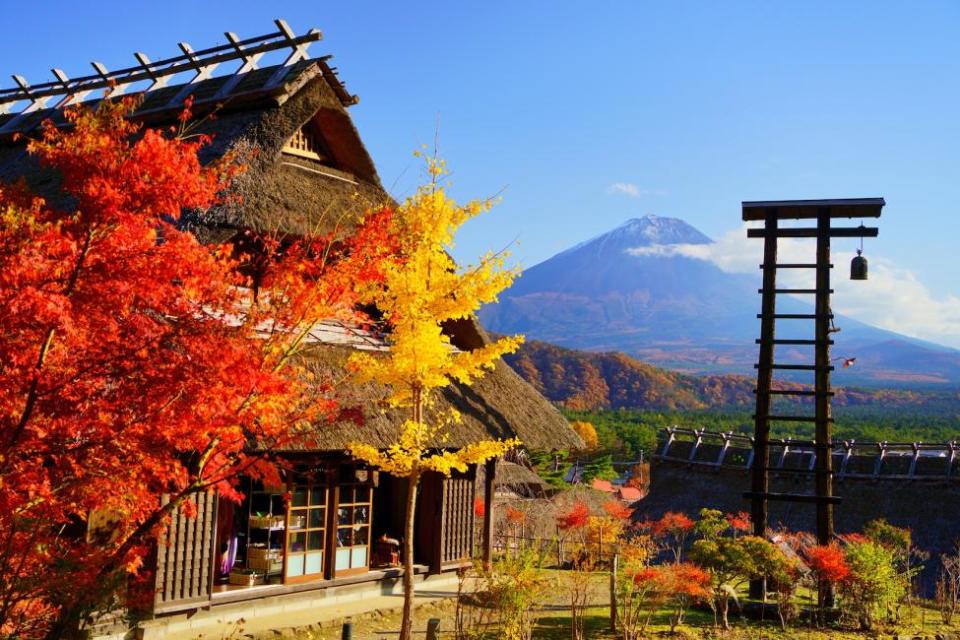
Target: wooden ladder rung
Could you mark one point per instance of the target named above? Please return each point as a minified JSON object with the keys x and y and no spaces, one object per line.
{"x":795,"y":265}
{"x":798,"y":316}
{"x":793,"y":497}
{"x":795,"y":392}
{"x":779,"y":418}
{"x":811,"y":291}
{"x":795,"y":367}
{"x":793,"y":341}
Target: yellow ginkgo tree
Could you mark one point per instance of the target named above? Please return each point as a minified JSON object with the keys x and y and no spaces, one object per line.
{"x":423,"y":289}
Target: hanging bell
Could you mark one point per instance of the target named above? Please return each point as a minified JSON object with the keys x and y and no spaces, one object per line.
{"x":858,"y":267}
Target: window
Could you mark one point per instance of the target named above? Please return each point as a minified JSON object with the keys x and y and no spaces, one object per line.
{"x":353,"y":529}
{"x":306,"y":532}
{"x":306,"y":143}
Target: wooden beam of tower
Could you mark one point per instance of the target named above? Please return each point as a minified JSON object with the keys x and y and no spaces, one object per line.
{"x":823,"y":437}
{"x":761,"y":446}
{"x":489,"y":478}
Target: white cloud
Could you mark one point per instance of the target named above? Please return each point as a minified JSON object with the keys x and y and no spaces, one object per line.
{"x":632,"y":190}
{"x":893,"y":298}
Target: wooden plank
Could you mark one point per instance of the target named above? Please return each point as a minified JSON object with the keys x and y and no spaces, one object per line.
{"x":795,"y":367}
{"x":488,"y":489}
{"x":792,"y":291}
{"x":760,"y":452}
{"x":835,"y":232}
{"x":823,"y":480}
{"x":809,"y":209}
{"x":794,"y":265}
{"x":793,"y":392}
{"x":190,"y":524}
{"x":794,"y":497}
{"x":794,"y":316}
{"x":158,"y":578}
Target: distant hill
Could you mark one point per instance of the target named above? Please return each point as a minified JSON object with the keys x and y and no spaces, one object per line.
{"x":581,"y":380}
{"x":628,"y":291}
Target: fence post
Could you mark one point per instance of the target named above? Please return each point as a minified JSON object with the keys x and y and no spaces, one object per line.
{"x":613,"y":593}
{"x":433,"y":629}
{"x":346,"y":633}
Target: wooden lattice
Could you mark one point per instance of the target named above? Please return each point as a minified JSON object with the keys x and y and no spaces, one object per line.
{"x":306,"y":144}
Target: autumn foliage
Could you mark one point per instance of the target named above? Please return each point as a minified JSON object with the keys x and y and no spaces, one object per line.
{"x":135,"y":362}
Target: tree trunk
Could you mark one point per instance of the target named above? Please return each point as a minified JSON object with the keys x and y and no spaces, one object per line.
{"x":406,"y":625}
{"x":724,"y":610}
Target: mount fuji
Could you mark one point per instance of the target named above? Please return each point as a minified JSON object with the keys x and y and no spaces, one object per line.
{"x":638,"y":289}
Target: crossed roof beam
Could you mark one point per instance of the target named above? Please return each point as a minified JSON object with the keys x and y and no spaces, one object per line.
{"x":200,"y":63}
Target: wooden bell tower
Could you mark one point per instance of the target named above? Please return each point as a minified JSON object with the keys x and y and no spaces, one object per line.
{"x":821,"y":213}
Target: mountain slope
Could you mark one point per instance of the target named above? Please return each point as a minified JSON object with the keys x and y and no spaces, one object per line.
{"x":581,"y":380}
{"x":629,"y":291}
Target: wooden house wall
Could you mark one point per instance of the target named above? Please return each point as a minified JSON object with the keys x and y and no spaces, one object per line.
{"x":456,"y":539}
{"x":185,"y":555}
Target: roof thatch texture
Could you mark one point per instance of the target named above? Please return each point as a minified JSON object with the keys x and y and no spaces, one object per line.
{"x":278,"y":192}
{"x":499,"y":405}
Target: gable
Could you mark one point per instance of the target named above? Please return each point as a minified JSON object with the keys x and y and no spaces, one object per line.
{"x":308,"y":143}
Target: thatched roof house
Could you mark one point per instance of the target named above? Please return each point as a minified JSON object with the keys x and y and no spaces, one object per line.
{"x":309,"y":172}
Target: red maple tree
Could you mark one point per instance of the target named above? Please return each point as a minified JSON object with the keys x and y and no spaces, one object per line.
{"x":134,"y":361}
{"x":577,"y":517}
{"x":829,"y":567}
{"x":671,"y":531}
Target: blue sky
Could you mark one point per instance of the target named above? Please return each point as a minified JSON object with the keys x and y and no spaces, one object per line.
{"x":690,"y":107}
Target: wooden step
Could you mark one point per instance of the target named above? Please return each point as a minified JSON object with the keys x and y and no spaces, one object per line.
{"x":811,"y":291}
{"x":795,"y":265}
{"x":813,"y":232}
{"x":792,"y":418}
{"x":796,"y":367}
{"x":793,"y":497}
{"x":798,"y":316}
{"x":795,"y":392}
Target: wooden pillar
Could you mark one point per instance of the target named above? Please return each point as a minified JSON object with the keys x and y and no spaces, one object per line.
{"x":489,"y":477}
{"x":759,"y":485}
{"x":823,"y":442}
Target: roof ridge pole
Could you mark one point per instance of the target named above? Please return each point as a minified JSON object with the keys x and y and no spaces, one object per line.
{"x":117,"y":89}
{"x":36,"y":103}
{"x":298,"y":51}
{"x":249,"y":64}
{"x":157,"y":81}
{"x":203,"y":72}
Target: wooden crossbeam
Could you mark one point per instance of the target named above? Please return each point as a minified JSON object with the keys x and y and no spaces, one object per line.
{"x":793,"y":497}
{"x":796,"y":316}
{"x":794,"y":367}
{"x":795,"y":265}
{"x":201,"y":63}
{"x":835,"y":232}
{"x":810,"y":291}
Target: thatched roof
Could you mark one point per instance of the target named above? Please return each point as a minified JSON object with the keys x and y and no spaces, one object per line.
{"x":499,"y":405}
{"x":278,"y":192}
{"x":285,"y":193}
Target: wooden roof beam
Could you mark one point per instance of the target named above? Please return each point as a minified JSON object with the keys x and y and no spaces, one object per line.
{"x":810,"y":209}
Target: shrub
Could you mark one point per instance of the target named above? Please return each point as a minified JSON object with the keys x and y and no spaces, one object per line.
{"x":874,"y":583}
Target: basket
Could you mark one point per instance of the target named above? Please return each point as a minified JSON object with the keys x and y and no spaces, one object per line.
{"x":266,"y":522}
{"x":267,"y":565}
{"x":262,"y":553}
